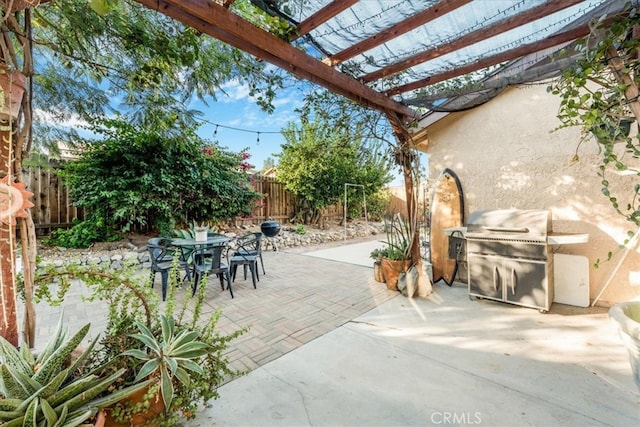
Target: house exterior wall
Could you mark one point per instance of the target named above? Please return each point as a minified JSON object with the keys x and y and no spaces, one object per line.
{"x":507,"y":155}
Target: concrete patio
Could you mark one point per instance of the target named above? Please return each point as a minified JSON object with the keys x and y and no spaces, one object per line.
{"x":329,"y":346}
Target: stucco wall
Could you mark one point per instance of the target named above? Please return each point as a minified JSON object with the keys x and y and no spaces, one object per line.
{"x":507,"y":155}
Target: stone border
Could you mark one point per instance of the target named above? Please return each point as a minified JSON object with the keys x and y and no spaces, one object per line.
{"x":131,"y":254}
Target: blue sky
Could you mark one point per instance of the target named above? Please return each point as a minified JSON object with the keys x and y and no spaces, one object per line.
{"x":235,"y":109}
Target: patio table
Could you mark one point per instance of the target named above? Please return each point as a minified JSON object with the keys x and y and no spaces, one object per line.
{"x":187,"y":246}
{"x":193,"y":243}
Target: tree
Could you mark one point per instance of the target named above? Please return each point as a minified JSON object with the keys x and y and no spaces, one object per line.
{"x":601,"y":93}
{"x":91,"y":59}
{"x":136,"y":177}
{"x":129,"y":59}
{"x":268,"y":163}
{"x":318,"y":159}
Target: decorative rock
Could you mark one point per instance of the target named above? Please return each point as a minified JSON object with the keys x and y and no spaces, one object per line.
{"x":131,"y":254}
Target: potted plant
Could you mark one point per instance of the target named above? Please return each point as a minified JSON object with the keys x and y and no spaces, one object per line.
{"x":168,"y":355}
{"x":197,"y":231}
{"x":54,"y":388}
{"x":398,"y":251}
{"x":185,"y":373}
{"x":378,"y":254}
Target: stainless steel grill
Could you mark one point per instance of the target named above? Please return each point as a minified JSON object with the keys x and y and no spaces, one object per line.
{"x":509,"y":258}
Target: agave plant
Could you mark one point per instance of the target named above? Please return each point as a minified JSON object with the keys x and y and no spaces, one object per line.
{"x":169,"y":356}
{"x":50,"y":389}
{"x":191,"y":232}
{"x":399,"y":238}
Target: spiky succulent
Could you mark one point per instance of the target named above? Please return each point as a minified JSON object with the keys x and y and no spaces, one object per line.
{"x":169,"y":357}
{"x":49,"y":390}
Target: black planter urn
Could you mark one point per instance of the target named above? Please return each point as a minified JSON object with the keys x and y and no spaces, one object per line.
{"x":270,"y":228}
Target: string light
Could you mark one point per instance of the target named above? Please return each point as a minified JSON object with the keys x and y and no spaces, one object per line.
{"x":257,"y":132}
{"x":258,"y":139}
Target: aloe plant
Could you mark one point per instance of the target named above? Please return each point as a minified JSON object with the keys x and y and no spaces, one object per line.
{"x":49,"y":390}
{"x":399,"y":238}
{"x":169,"y":355}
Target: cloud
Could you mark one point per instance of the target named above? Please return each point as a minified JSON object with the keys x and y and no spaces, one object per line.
{"x":235,"y":91}
{"x":73,"y":121}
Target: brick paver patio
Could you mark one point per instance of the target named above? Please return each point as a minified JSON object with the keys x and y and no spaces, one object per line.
{"x":299,"y":299}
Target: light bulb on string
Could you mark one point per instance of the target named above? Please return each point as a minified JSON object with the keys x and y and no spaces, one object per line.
{"x":258,"y":139}
{"x":215,"y":132}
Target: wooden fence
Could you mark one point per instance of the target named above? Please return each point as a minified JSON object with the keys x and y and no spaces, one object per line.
{"x":54,"y":208}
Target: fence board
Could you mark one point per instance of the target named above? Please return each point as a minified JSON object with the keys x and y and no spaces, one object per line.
{"x":55,"y":209}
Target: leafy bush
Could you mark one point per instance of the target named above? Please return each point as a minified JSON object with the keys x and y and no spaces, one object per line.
{"x":320,"y":157}
{"x":377,"y":204}
{"x":82,"y":234}
{"x":157,"y":176}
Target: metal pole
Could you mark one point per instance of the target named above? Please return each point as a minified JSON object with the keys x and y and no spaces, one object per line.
{"x":344,"y":212}
{"x":345,"y":207}
{"x":366,"y":218}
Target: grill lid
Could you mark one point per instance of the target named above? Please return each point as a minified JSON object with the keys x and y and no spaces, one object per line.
{"x":510,"y":224}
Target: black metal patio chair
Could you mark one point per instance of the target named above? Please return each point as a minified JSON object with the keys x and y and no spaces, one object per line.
{"x":245,"y":255}
{"x":252,"y":245}
{"x":160,"y":263}
{"x":208,"y":260}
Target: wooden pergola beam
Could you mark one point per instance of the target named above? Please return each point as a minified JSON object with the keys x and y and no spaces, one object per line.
{"x":548,"y":42}
{"x":415,"y":21}
{"x":472,"y":38}
{"x":18,"y":5}
{"x":322,"y":16}
{"x":218,"y":22}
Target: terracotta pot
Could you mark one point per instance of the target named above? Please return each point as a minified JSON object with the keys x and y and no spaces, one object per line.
{"x":392,"y":269}
{"x":156,"y":408}
{"x":13,"y":87}
{"x":101,"y":418}
{"x":377,"y":272}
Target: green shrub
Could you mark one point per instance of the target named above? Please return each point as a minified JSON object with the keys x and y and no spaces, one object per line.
{"x":82,"y":234}
{"x":152,"y":177}
{"x":378,"y":203}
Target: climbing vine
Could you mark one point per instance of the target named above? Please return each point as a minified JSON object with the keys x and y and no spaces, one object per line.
{"x":600,"y":95}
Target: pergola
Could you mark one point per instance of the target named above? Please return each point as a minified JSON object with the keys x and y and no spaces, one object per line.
{"x":391,"y":55}
{"x":401,"y":57}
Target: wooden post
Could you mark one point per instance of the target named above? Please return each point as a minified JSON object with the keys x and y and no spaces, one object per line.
{"x":8,"y":312}
{"x":404,"y":158}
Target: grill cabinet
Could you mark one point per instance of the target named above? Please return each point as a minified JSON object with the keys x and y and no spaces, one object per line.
{"x":508,"y":257}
